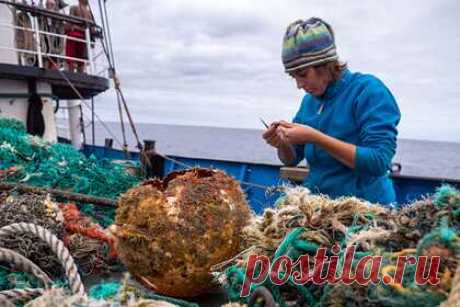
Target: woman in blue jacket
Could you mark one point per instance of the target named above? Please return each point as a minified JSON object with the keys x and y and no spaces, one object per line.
{"x":346,"y":124}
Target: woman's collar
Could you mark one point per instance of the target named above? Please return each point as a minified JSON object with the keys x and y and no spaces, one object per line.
{"x":335,"y":87}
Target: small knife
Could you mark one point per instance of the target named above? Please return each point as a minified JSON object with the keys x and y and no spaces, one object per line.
{"x":263,"y":122}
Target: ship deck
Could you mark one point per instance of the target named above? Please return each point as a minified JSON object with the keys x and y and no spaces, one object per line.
{"x":87,"y":85}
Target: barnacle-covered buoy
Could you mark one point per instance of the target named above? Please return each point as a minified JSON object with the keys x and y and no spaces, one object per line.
{"x":171,"y":232}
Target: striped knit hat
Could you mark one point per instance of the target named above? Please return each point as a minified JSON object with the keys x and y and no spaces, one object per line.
{"x":308,"y":42}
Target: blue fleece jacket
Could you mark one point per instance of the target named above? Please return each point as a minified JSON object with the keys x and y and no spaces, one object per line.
{"x":357,"y":109}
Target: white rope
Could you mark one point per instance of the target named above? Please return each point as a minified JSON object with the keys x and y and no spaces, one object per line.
{"x":56,"y":245}
{"x":19,"y":294}
{"x":5,"y":302}
{"x":25,"y":265}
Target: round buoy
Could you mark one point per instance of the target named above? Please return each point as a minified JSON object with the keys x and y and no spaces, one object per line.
{"x":171,"y":232}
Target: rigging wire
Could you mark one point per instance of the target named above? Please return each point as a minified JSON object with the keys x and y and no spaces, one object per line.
{"x":108,"y":50}
{"x":122,"y":124}
{"x":185,"y":165}
{"x":107,"y":28}
{"x":82,"y":99}
{"x":130,"y":119}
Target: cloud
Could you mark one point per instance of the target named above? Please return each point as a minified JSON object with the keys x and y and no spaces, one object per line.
{"x":218,"y":63}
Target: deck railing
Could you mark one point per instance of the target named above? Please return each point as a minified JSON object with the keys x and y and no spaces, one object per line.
{"x":96,"y":62}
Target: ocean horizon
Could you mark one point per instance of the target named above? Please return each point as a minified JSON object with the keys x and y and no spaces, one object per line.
{"x":418,"y":158}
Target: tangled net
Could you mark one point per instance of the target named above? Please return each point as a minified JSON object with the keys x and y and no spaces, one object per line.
{"x":31,"y":160}
{"x":49,"y":295}
{"x":127,"y":293}
{"x":302,"y":223}
{"x":37,"y":209}
{"x":89,"y":243}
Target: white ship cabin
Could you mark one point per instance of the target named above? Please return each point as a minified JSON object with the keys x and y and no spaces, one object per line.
{"x":51,"y":59}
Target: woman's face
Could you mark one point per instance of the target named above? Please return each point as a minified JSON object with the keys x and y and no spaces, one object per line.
{"x":312,"y":80}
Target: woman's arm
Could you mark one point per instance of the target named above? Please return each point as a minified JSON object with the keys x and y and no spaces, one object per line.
{"x":377,"y":116}
{"x":302,"y":134}
{"x":340,"y":150}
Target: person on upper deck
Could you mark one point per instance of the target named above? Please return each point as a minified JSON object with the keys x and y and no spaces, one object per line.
{"x":77,"y":49}
{"x":346,"y":124}
{"x":52,"y":44}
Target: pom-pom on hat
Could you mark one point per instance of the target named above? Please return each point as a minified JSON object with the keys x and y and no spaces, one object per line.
{"x":308,"y":42}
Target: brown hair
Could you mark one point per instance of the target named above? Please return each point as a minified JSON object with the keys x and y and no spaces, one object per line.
{"x":333,"y":69}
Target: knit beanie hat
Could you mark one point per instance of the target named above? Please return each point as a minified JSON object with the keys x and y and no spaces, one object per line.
{"x":308,"y":42}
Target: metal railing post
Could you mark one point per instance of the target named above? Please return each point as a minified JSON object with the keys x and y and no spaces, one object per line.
{"x":38,"y":41}
{"x":89,"y":50}
{"x":42,"y":52}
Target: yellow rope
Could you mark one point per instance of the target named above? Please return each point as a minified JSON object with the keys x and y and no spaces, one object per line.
{"x":396,"y":286}
{"x":404,"y":252}
{"x":454,"y":296}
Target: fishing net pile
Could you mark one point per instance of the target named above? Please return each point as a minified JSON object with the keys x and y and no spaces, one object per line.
{"x":37,"y":209}
{"x":301,"y":223}
{"x":29,"y":160}
{"x":171,"y":232}
{"x":127,"y":292}
{"x":90,"y":244}
{"x":23,"y":282}
{"x":33,"y":161}
{"x":38,"y":270}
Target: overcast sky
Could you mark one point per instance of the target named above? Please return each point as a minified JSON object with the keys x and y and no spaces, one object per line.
{"x":217,"y":63}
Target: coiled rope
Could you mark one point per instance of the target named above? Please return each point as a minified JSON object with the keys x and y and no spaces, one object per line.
{"x":5,"y":302}
{"x":18,"y":294}
{"x":25,"y":265}
{"x":56,"y":245}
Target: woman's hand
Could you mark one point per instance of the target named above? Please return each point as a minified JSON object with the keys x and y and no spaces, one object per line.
{"x":283,"y":135}
{"x":303,"y":134}
{"x":272,"y":136}
{"x":297,"y":133}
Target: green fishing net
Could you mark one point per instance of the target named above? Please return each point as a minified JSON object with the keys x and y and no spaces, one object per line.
{"x":17,"y":280}
{"x":121,"y":293}
{"x":430,"y":227}
{"x":104,"y":290}
{"x":60,"y":166}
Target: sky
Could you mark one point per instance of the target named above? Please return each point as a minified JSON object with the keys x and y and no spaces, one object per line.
{"x":218,"y":63}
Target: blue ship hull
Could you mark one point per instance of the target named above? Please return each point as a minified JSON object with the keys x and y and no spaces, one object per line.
{"x":256,"y":178}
